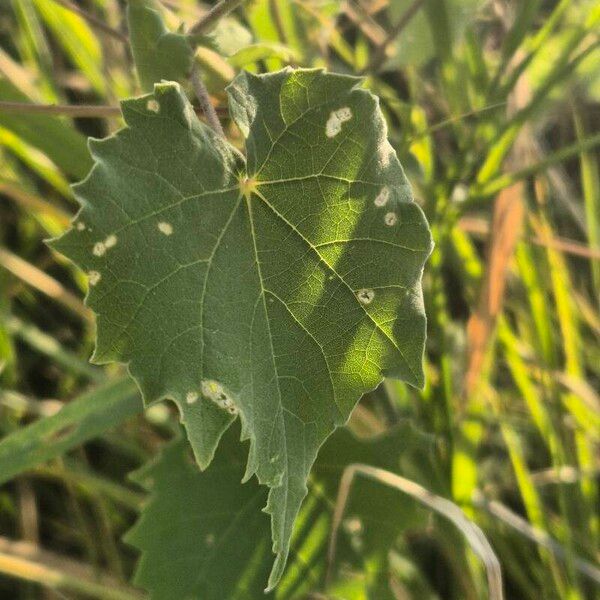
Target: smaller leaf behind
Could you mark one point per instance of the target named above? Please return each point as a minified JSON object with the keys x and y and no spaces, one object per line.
{"x":158,"y":53}
{"x":202,"y":534}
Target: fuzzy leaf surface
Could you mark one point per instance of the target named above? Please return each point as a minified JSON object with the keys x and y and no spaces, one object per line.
{"x":278,"y":287}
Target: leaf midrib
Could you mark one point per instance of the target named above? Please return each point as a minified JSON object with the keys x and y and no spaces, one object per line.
{"x":281,"y":407}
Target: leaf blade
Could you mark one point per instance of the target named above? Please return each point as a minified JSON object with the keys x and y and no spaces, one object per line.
{"x":213,"y":276}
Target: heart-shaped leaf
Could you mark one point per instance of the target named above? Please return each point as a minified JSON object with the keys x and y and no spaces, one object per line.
{"x":279,"y":287}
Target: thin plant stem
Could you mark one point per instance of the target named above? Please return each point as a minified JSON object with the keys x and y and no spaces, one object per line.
{"x":92,"y":111}
{"x":276,"y":16}
{"x":95,"y":22}
{"x":205,"y":104}
{"x":456,"y":118}
{"x":480,"y":227}
{"x":48,"y":346}
{"x":361,"y":18}
{"x":67,"y":110}
{"x":535,"y":534}
{"x":476,"y":538}
{"x":506,"y":179}
{"x":210,"y":19}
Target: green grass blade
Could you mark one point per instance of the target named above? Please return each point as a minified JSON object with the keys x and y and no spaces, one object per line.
{"x":79,"y":421}
{"x":590,"y":183}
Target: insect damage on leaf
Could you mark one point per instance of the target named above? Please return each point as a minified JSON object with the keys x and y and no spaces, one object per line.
{"x":214,"y":391}
{"x":383,"y":197}
{"x":152,"y":105}
{"x":287,"y":292}
{"x":165,"y":228}
{"x":365,"y":296}
{"x":335,"y":121}
{"x":391,"y":219}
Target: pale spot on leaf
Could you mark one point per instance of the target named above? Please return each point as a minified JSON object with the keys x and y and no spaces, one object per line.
{"x":365,"y":296}
{"x":191,"y":397}
{"x":80,"y":226}
{"x":94,"y":277}
{"x":382,"y":197}
{"x":211,"y":389}
{"x":391,"y":219}
{"x":354,"y":528}
{"x":153,"y":106}
{"x":344,"y":114}
{"x":353,"y":525}
{"x":460,"y":193}
{"x":99,"y":249}
{"x":386,"y":153}
{"x":336,"y":118}
{"x":214,"y":391}
{"x":333,"y":127}
{"x":165,"y":228}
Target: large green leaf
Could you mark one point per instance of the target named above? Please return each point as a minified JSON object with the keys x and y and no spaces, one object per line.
{"x":202,"y":534}
{"x":279,"y":288}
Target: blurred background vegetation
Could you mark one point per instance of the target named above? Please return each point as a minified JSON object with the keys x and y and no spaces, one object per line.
{"x":493,"y":107}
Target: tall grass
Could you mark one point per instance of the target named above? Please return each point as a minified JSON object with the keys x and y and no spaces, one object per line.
{"x":493,"y":108}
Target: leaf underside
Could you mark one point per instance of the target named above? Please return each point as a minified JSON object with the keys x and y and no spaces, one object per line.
{"x":278,"y":287}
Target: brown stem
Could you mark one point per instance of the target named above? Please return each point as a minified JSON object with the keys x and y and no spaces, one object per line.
{"x":26,"y":561}
{"x":68,"y":110}
{"x":42,"y":282}
{"x":204,"y":99}
{"x":211,"y":18}
{"x":276,"y":16}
